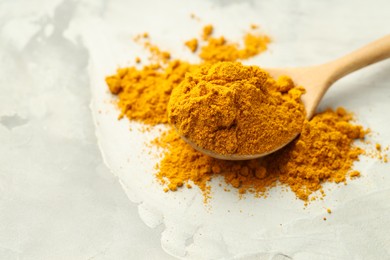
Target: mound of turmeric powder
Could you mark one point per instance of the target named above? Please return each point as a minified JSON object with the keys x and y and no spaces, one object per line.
{"x":229,"y":108}
{"x":143,"y":94}
{"x":323,"y":152}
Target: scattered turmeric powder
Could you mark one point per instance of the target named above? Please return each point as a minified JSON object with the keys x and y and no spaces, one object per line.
{"x":207,"y":31}
{"x":144,"y":93}
{"x":254,"y":44}
{"x":354,"y":174}
{"x":377,"y":152}
{"x":229,"y":108}
{"x":157,"y":55}
{"x":324,"y":151}
{"x":218,"y":49}
{"x":192,"y":44}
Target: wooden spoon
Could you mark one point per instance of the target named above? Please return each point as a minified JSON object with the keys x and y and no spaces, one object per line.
{"x":317,"y":80}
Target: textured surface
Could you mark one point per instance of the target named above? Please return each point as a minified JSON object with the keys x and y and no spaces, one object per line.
{"x":58,"y":199}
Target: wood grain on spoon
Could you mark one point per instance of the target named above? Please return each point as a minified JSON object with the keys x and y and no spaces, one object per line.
{"x":317,"y":80}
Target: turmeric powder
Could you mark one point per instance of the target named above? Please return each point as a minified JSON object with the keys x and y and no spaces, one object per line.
{"x":219,"y":49}
{"x":192,"y":44}
{"x":144,"y":94}
{"x":214,"y":49}
{"x":156,"y":54}
{"x":229,"y":108}
{"x":323,"y":152}
{"x":207,"y":31}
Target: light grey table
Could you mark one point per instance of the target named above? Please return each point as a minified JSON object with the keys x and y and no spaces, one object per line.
{"x":57,"y":198}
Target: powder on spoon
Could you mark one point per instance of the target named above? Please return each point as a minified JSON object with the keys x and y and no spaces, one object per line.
{"x":229,"y":108}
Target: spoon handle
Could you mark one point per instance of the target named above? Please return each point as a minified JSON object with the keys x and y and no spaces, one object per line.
{"x":367,"y":55}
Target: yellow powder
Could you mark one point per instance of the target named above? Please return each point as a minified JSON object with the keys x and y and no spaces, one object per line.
{"x":207,"y":31}
{"x":218,"y":49}
{"x":254,"y":44}
{"x":229,"y":108}
{"x":192,"y":44}
{"x":324,"y":152}
{"x":354,"y":174}
{"x":144,"y":93}
{"x":194,"y":165}
{"x":138,"y":37}
{"x":157,"y":55}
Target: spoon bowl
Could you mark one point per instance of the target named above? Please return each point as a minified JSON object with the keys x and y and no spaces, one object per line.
{"x":233,"y":157}
{"x":316,"y":80}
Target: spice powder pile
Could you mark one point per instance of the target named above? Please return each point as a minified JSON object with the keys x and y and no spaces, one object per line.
{"x":229,"y":108}
{"x":323,"y":152}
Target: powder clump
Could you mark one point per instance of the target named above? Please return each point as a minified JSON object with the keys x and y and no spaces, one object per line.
{"x":207,"y":31}
{"x":192,"y":44}
{"x":229,"y":108}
